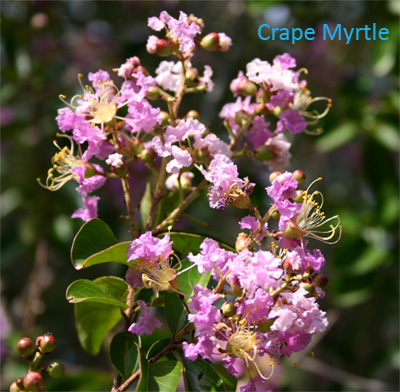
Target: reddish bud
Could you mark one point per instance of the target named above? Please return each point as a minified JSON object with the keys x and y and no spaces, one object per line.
{"x":162,"y":49}
{"x":56,"y":370}
{"x":210,"y":42}
{"x":321,"y":280}
{"x":273,"y":175}
{"x":236,"y":289}
{"x":25,"y":347}
{"x":299,"y":176}
{"x":46,"y":343}
{"x":33,"y":381}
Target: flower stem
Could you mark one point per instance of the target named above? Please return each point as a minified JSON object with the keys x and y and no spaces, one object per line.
{"x":128,"y":201}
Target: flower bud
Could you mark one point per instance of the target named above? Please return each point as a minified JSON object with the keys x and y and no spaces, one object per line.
{"x":299,"y":176}
{"x":203,"y":154}
{"x":133,"y":146}
{"x":276,"y":215}
{"x":241,"y":242}
{"x":210,"y":42}
{"x":261,"y":109}
{"x":25,"y":347}
{"x":14,"y":387}
{"x":121,"y":170}
{"x":235,"y":286}
{"x":241,"y":201}
{"x":148,"y":155}
{"x":300,"y":196}
{"x":273,"y":175}
{"x":191,"y":74}
{"x":321,"y":280}
{"x":263,"y":153}
{"x":309,"y":287}
{"x":153,"y":93}
{"x":164,"y":116}
{"x":162,"y":48}
{"x":228,"y":309}
{"x":46,"y":343}
{"x":19,"y":382}
{"x":241,"y":117}
{"x":56,"y":370}
{"x":291,"y":232}
{"x":33,"y":381}
{"x":193,"y":114}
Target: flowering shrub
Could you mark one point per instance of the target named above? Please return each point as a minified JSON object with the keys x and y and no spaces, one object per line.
{"x":225,"y":308}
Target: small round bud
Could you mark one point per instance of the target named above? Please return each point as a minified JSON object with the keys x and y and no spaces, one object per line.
{"x":309,"y":287}
{"x":263,"y":153}
{"x":299,"y":176}
{"x":276,"y":215}
{"x":228,"y":309}
{"x":191,"y":74}
{"x":120,"y":170}
{"x":56,"y":370}
{"x":148,"y":155}
{"x":153,"y":93}
{"x":321,"y":280}
{"x":241,"y":117}
{"x":25,"y":347}
{"x":14,"y":387}
{"x":265,"y":326}
{"x":241,"y":201}
{"x":300,"y":196}
{"x":248,"y":88}
{"x":46,"y":343}
{"x":193,"y":114}
{"x":164,"y":116}
{"x":162,"y":48}
{"x":291,"y":232}
{"x":133,"y":146}
{"x":273,"y":175}
{"x":33,"y":381}
{"x":19,"y":382}
{"x":210,"y":42}
{"x":241,"y":242}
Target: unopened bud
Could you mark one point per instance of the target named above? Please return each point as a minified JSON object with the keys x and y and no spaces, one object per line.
{"x":148,"y":155}
{"x":228,"y":309}
{"x":276,"y":215}
{"x":191,"y":74}
{"x":241,"y":242}
{"x":241,"y":117}
{"x":90,"y":170}
{"x":153,"y":93}
{"x":291,"y":232}
{"x":46,"y":343}
{"x":210,"y":42}
{"x":14,"y":387}
{"x":33,"y":381}
{"x":56,"y":370}
{"x":25,"y":347}
{"x":299,"y":196}
{"x":235,"y":286}
{"x":273,"y":175}
{"x":193,"y":114}
{"x":263,"y":153}
{"x":19,"y":382}
{"x":321,"y":280}
{"x":265,"y":326}
{"x":120,"y":170}
{"x":164,"y":116}
{"x":162,"y":48}
{"x":134,"y":146}
{"x":242,"y":201}
{"x":309,"y":287}
{"x":299,"y":176}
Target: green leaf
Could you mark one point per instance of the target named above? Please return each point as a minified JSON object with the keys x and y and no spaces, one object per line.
{"x":107,"y":290}
{"x":230,"y":382}
{"x":159,"y":377}
{"x":166,"y":206}
{"x":200,"y":376}
{"x":93,"y":322}
{"x":191,"y":278}
{"x":124,"y":353}
{"x":93,"y":237}
{"x":175,"y":312}
{"x":145,"y":204}
{"x":337,"y":137}
{"x":189,"y":242}
{"x":113,"y":254}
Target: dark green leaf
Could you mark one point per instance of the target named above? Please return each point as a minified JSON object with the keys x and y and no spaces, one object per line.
{"x":175,"y":312}
{"x":93,"y":322}
{"x":200,"y":376}
{"x":124,"y":353}
{"x":107,"y":290}
{"x":230,"y":382}
{"x":160,"y":376}
{"x":166,"y":206}
{"x":113,"y":254}
{"x":337,"y":137}
{"x":191,"y":278}
{"x":93,"y":237}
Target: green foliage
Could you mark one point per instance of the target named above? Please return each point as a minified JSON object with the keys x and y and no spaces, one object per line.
{"x":124,"y":353}
{"x":191,"y":278}
{"x":175,"y":312}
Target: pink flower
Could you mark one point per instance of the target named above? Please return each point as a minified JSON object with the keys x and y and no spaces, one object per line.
{"x":291,"y":120}
{"x":89,"y":211}
{"x":149,"y":247}
{"x":146,"y":324}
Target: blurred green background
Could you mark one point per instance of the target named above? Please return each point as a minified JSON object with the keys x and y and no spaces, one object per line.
{"x":45,"y":44}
